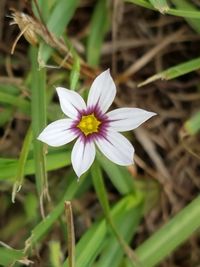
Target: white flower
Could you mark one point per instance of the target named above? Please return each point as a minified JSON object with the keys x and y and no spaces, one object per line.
{"x":92,"y":126}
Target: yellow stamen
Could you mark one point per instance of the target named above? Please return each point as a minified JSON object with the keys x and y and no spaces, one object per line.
{"x":89,"y":124}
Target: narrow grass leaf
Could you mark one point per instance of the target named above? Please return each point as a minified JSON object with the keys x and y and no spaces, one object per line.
{"x":102,"y":196}
{"x":44,"y":226}
{"x":188,"y":6}
{"x":55,"y":254}
{"x":55,"y":161}
{"x":75,"y":72}
{"x":97,"y":33}
{"x":5,"y":115}
{"x":21,"y":164}
{"x":160,"y":5}
{"x":100,"y":188}
{"x":142,"y":3}
{"x":10,"y":89}
{"x":31,"y":207}
{"x":96,"y":238}
{"x":9,"y":256}
{"x":175,"y":71}
{"x":119,"y":176}
{"x":70,"y":233}
{"x":44,"y":9}
{"x":61,"y":15}
{"x":112,"y":254}
{"x":170,"y":236}
{"x":38,"y":114}
{"x":192,"y":125}
{"x":15,"y":101}
{"x":170,"y":11}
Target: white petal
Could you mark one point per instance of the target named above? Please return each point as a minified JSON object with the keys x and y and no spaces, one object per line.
{"x":102,"y":91}
{"x":70,"y":102}
{"x":126,"y":119}
{"x":116,"y":148}
{"x":58,"y":133}
{"x":83,"y":154}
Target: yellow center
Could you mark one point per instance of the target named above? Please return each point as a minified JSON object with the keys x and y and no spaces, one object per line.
{"x":89,"y":124}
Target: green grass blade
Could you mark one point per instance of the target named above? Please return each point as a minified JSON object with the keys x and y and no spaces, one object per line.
{"x":10,"y":89}
{"x":90,"y":245}
{"x":98,"y":28}
{"x":44,"y":226}
{"x":142,"y":3}
{"x":8,"y":256}
{"x":170,"y":11}
{"x":192,"y":125}
{"x":170,"y":236}
{"x":175,"y":71}
{"x":160,"y":5}
{"x":184,"y":13}
{"x":55,"y":254}
{"x":44,"y":7}
{"x":5,"y":115}
{"x":112,"y":254}
{"x":99,"y":186}
{"x":119,"y":176}
{"x":38,"y":114}
{"x":21,"y":164}
{"x":100,"y":189}
{"x":75,"y":72}
{"x":186,"y":5}
{"x":22,"y":104}
{"x":94,"y":240}
{"x":55,"y":161}
{"x":60,"y":17}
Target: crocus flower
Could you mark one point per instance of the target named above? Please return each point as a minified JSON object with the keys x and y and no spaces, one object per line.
{"x":93,"y":126}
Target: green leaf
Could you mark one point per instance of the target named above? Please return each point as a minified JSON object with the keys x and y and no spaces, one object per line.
{"x":5,"y":115}
{"x":10,"y":89}
{"x":45,"y":225}
{"x":75,"y":72}
{"x":21,"y":164}
{"x":44,"y":7}
{"x":142,"y":3}
{"x":31,"y":207}
{"x":160,"y":5}
{"x":8,"y":256}
{"x":98,"y":29}
{"x":175,"y":71}
{"x":170,"y":11}
{"x":22,"y":104}
{"x":119,"y":176}
{"x":188,"y":6}
{"x":112,"y":252}
{"x":192,"y":125}
{"x":103,"y":199}
{"x":170,"y":236}
{"x":98,"y":182}
{"x":96,"y":238}
{"x":55,"y":254}
{"x":38,"y":114}
{"x":55,"y":161}
{"x":61,"y":15}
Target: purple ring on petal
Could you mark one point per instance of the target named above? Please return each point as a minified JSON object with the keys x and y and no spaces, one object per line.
{"x":102,"y":129}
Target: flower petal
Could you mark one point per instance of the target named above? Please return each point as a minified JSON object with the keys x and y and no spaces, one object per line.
{"x":102,"y":91}
{"x":58,"y":133}
{"x":83,"y":154}
{"x":116,"y":148}
{"x":71,"y":102}
{"x":126,"y":119}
